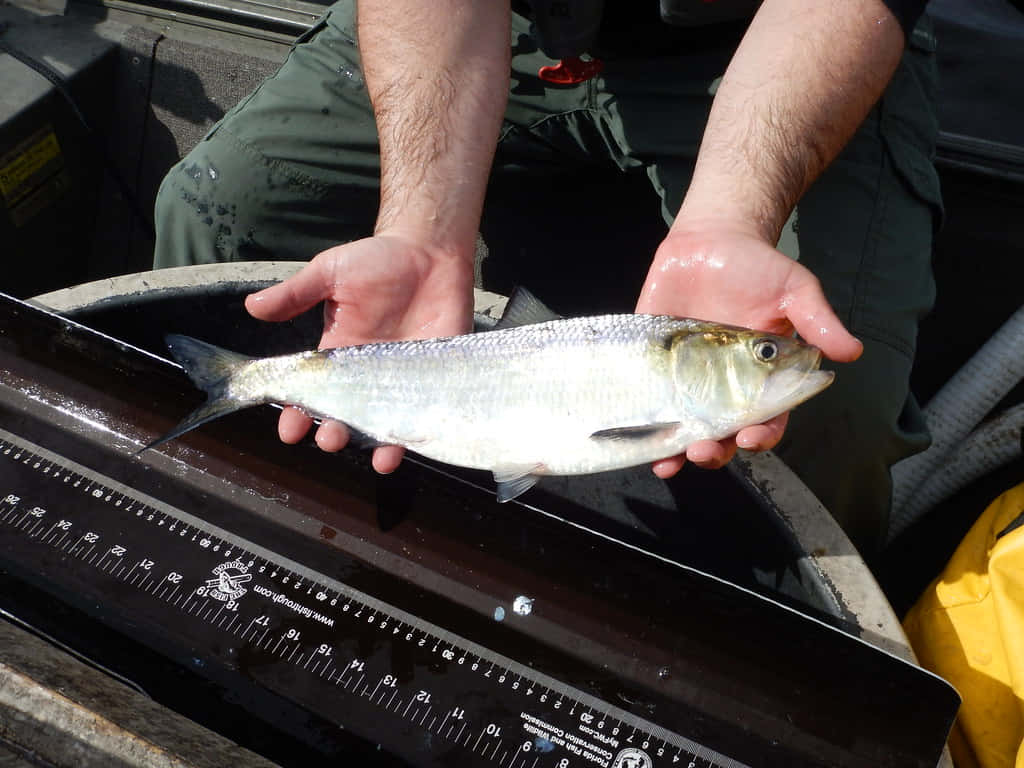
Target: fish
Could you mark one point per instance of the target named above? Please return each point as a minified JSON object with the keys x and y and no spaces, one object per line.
{"x":537,"y":395}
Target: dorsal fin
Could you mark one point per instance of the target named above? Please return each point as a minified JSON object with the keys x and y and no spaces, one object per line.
{"x":524,"y":308}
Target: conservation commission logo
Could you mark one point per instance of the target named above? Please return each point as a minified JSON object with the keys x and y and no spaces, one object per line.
{"x":228,"y":580}
{"x":631,"y":757}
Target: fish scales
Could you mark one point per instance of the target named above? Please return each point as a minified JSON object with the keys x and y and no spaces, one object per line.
{"x":565,"y":396}
{"x":523,"y":396}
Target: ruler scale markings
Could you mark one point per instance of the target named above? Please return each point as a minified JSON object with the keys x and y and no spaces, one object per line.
{"x":301,"y":584}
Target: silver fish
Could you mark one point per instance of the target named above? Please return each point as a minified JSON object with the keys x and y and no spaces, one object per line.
{"x":536,"y":396}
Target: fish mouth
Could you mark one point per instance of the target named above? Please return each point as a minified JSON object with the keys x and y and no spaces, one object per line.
{"x":787,"y":388}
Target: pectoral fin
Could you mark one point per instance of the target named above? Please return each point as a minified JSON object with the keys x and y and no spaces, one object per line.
{"x":515,"y":481}
{"x":637,"y":432}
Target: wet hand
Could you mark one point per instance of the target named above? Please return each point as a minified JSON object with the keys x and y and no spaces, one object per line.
{"x":731,"y":275}
{"x":382,"y":288}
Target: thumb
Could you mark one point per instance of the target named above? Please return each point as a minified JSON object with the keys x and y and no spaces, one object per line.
{"x":283,"y":301}
{"x":816,"y":322}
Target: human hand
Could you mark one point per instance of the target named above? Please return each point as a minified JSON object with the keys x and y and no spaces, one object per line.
{"x":730,"y":274}
{"x":382,"y":288}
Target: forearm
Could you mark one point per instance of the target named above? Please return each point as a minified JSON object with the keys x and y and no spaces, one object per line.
{"x":801,"y":82}
{"x":437,"y":74}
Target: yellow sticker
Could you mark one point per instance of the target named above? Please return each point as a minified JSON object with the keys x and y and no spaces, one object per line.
{"x":29,"y":165}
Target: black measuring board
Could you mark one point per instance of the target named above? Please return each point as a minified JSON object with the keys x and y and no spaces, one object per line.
{"x":457,"y":634}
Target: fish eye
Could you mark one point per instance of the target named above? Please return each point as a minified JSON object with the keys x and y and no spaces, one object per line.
{"x":766,"y":350}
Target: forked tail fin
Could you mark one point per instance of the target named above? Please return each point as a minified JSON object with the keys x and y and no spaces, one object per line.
{"x":210,"y":369}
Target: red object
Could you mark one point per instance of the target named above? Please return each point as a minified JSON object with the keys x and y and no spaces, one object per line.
{"x":571,"y":71}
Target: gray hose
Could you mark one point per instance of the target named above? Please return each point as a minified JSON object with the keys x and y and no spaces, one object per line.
{"x":992,"y":446}
{"x":956,"y":409}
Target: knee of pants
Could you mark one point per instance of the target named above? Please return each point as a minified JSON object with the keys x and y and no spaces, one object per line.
{"x":193,"y":224}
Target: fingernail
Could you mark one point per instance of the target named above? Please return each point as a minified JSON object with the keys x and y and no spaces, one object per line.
{"x":746,"y":443}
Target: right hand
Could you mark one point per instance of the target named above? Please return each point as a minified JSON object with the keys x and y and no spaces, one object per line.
{"x":383,"y":288}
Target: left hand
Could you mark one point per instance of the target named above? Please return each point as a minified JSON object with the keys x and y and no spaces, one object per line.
{"x":726,"y":273}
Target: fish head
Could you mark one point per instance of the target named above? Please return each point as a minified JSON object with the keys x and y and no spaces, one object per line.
{"x":734,"y":377}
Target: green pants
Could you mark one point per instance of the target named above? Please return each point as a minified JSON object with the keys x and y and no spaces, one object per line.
{"x":293,"y":169}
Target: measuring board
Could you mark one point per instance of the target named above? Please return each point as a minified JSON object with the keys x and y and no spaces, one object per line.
{"x":491,"y":640}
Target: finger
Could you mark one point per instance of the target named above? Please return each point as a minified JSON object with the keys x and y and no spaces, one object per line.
{"x":293,"y":425}
{"x":332,"y":436}
{"x":386,"y":458}
{"x":666,"y":468}
{"x":813,"y":318}
{"x":763,"y":437}
{"x":711,"y":454}
{"x":283,"y":301}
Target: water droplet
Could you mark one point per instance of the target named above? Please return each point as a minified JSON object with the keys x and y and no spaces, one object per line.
{"x":212,"y":171}
{"x":195,"y":172}
{"x":499,"y":614}
{"x":664,"y":674}
{"x":354,"y":78}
